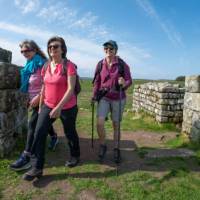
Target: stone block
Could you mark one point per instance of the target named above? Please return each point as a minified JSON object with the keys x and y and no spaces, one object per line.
{"x":192,"y":84}
{"x":5,"y":55}
{"x":197,"y":123}
{"x":11,"y":99}
{"x":9,"y":76}
{"x":6,"y":145}
{"x":161,"y":119}
{"x":11,"y":121}
{"x":195,"y":134}
{"x":192,"y":101}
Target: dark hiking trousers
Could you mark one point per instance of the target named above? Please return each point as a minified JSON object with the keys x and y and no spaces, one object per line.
{"x":68,"y":118}
{"x":31,"y":129}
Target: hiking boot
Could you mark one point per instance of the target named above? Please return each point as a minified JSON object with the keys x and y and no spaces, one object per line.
{"x":117,"y":155}
{"x":53,"y":143}
{"x":22,"y":163}
{"x":33,"y":173}
{"x":102,"y":152}
{"x":72,"y":162}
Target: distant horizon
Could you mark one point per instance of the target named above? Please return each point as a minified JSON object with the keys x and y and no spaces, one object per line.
{"x":157,"y":39}
{"x":90,"y":78}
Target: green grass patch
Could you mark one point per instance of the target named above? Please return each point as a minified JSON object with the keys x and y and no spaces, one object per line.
{"x":142,"y":121}
{"x":177,"y":183}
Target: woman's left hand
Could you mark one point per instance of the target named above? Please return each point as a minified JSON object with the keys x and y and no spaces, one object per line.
{"x":121,"y":81}
{"x":55,"y":113}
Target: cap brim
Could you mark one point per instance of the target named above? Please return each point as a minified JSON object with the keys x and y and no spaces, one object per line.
{"x":108,"y":43}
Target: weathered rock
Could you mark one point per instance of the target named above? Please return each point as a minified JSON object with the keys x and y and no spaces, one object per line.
{"x":192,"y":101}
{"x":192,"y":84}
{"x":10,"y":121}
{"x":162,"y":100}
{"x":167,"y":153}
{"x":195,"y":134}
{"x":13,"y":104}
{"x":11,"y":99}
{"x":191,"y":112}
{"x":5,"y":56}
{"x":9,"y":76}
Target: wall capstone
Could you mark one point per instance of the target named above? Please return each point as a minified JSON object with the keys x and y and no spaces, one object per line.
{"x":5,"y":56}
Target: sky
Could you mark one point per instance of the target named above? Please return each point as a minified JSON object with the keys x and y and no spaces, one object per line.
{"x":158,"y":39}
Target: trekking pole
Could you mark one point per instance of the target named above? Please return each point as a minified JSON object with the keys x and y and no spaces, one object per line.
{"x":119,"y":127}
{"x":92,"y":140}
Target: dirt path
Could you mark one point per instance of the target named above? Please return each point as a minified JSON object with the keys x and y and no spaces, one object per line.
{"x":131,"y":143}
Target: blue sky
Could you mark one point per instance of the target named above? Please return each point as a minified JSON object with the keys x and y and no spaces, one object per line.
{"x":159,"y":39}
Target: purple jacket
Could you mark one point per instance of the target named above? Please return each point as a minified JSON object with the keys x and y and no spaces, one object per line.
{"x":108,"y":78}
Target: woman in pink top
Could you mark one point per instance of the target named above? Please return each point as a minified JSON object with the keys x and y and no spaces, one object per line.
{"x":31,"y":83}
{"x":59,"y":100}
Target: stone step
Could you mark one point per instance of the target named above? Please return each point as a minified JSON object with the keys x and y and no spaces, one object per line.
{"x":168,"y":153}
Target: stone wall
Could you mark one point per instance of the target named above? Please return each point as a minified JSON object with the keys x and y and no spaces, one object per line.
{"x":164,"y":101}
{"x":13,"y":109}
{"x":191,"y":112}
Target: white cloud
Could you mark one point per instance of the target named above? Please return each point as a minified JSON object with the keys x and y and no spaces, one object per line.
{"x":58,"y":12}
{"x":84,"y":52}
{"x":31,"y":31}
{"x":12,"y":46}
{"x":27,"y":6}
{"x":72,"y":19}
{"x":86,"y":21}
{"x":167,"y":27}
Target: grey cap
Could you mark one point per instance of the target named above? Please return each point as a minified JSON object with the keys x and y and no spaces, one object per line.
{"x":111,"y":43}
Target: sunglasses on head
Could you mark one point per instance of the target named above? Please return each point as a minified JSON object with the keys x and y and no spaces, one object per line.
{"x":55,"y":46}
{"x":26,"y":51}
{"x":110,"y":48}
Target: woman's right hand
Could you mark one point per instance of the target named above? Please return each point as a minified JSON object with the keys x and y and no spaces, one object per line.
{"x":34,"y":102}
{"x":39,"y":110}
{"x":55,"y":112}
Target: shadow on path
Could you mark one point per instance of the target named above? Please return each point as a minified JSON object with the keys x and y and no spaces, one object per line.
{"x":131,"y":161}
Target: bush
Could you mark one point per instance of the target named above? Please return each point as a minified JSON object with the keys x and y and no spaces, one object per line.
{"x":180,"y":78}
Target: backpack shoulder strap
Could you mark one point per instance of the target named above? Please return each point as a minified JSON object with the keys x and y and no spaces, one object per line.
{"x":46,"y":65}
{"x":64,"y":66}
{"x":98,"y":69}
{"x":121,"y":67}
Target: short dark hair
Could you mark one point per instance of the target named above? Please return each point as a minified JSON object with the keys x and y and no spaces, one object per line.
{"x":111,"y":43}
{"x":63,"y":45}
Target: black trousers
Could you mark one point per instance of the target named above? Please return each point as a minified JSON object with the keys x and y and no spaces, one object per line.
{"x":68,"y":118}
{"x":31,"y":129}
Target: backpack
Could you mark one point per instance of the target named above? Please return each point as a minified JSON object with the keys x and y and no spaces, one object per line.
{"x":77,"y":88}
{"x":121,"y":67}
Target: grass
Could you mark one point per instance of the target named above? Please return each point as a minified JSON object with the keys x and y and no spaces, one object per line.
{"x":131,"y":121}
{"x":158,"y":179}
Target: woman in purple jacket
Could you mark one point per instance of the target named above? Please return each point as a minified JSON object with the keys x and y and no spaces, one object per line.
{"x":112,"y":78}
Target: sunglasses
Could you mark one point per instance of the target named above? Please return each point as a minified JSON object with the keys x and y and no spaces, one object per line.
{"x":26,"y":51}
{"x":55,"y":46}
{"x":110,"y":48}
